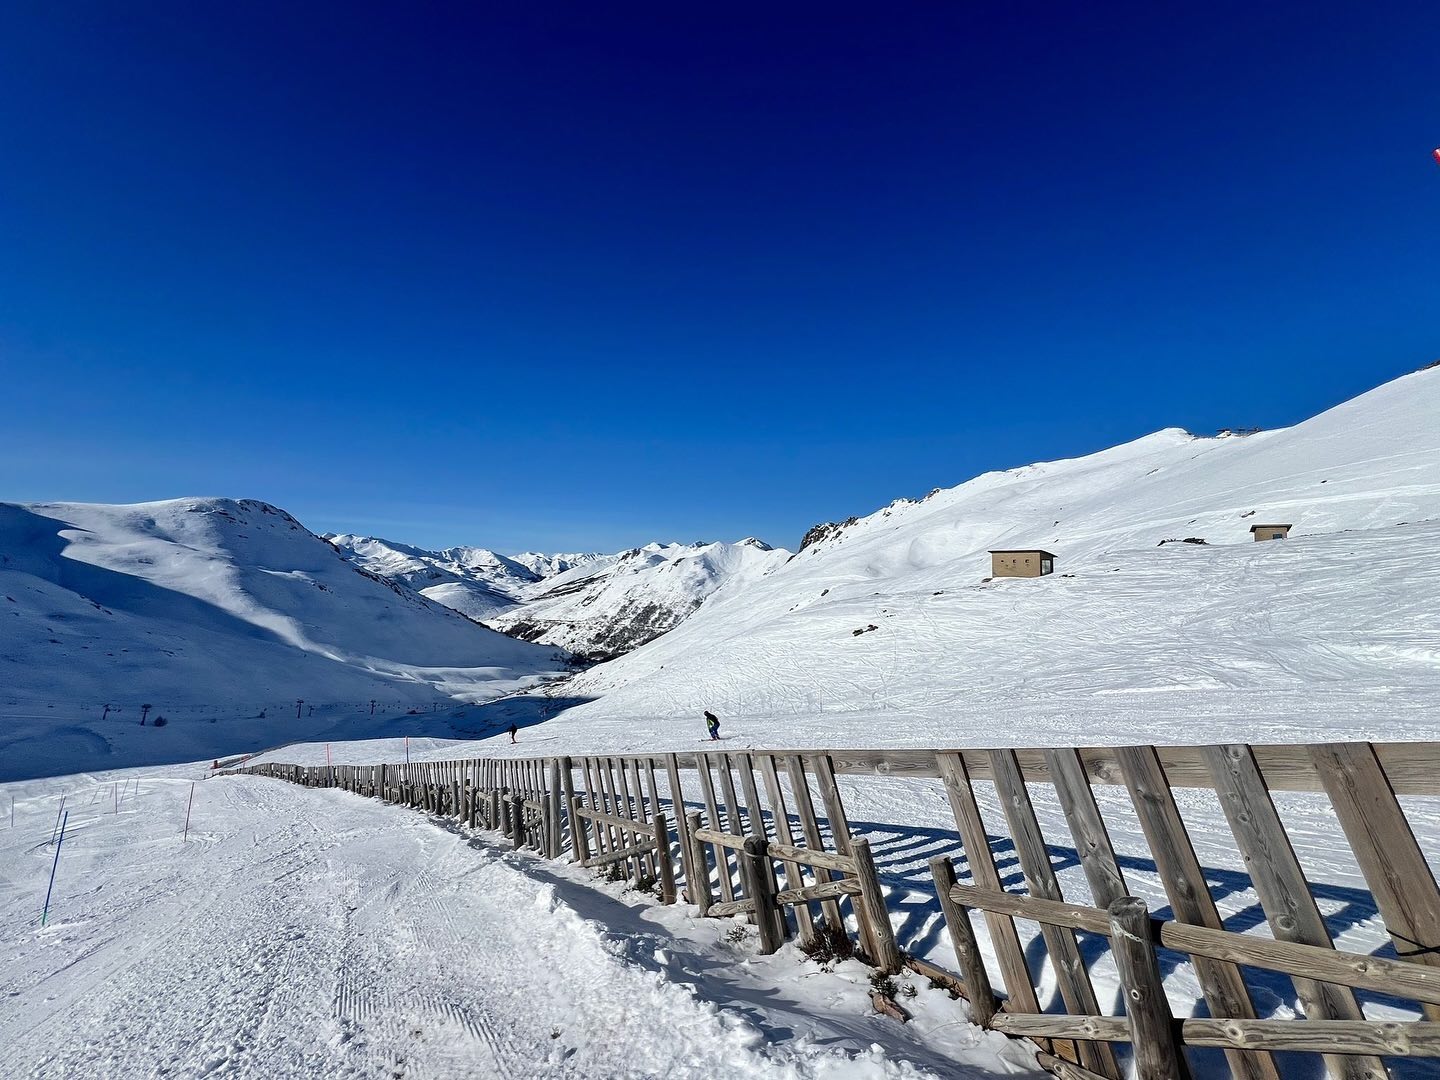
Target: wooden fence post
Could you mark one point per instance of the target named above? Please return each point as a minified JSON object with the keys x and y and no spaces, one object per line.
{"x":517,"y":820}
{"x":872,"y":904}
{"x":662,"y":859}
{"x":552,"y":810}
{"x":567,"y":783}
{"x":579,"y":844}
{"x":1158,"y":1055}
{"x":697,"y":879}
{"x":760,"y":886}
{"x":978,"y":990}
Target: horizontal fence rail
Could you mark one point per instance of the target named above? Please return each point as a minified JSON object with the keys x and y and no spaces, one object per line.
{"x":696,"y":826}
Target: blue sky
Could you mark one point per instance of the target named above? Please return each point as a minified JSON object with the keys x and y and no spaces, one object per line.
{"x":565,"y":277}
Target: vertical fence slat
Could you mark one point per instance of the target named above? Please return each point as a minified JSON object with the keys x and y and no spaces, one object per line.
{"x":840,"y":834}
{"x":810,"y":826}
{"x":1189,"y":894}
{"x":1384,"y":845}
{"x":1061,"y":943}
{"x":712,"y":818}
{"x":1014,"y":970}
{"x":682,"y":829}
{"x":780,"y":820}
{"x":1087,"y":827}
{"x":1284,"y":893}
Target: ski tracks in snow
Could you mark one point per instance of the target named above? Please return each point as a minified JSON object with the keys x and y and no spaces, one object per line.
{"x":310,"y":933}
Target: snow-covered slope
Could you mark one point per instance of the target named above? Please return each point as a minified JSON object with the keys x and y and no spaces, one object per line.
{"x":474,"y":581}
{"x":885,"y":630}
{"x":213,"y":602}
{"x":607,"y":606}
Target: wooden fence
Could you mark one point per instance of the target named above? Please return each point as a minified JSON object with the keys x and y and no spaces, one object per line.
{"x":789,"y":868}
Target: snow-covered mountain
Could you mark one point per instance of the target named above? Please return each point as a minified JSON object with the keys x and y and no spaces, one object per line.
{"x":885,"y":628}
{"x":545,"y":566}
{"x":597,"y":606}
{"x":474,"y":581}
{"x":213,"y":606}
{"x":607,"y":606}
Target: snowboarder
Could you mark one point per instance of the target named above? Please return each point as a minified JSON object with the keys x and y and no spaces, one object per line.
{"x":712,"y":725}
{"x":513,"y":730}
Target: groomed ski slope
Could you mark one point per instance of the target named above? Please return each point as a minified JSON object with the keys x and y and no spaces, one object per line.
{"x":304,"y":933}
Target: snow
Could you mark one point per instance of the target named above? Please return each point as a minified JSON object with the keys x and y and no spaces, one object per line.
{"x":606,"y":607}
{"x":1331,"y":634}
{"x":216,"y":611}
{"x":311,"y":933}
{"x":474,"y":581}
{"x":1334,"y":629}
{"x":545,"y":566}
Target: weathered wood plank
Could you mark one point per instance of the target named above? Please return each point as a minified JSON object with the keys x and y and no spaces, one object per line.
{"x":1386,"y":1039}
{"x":1362,"y":970}
{"x":866,"y":921}
{"x":1065,"y":1070}
{"x":974,"y":978}
{"x":807,"y":893}
{"x":621,"y":855}
{"x":1385,"y":847}
{"x":1152,"y":1026}
{"x":619,"y":821}
{"x":757,"y":873}
{"x":682,"y":829}
{"x":697,"y":885}
{"x":1015,"y":971}
{"x":754,"y":818}
{"x":720,"y":839}
{"x":1284,"y":893}
{"x":845,"y":864}
{"x":810,"y":827}
{"x":712,"y":815}
{"x":745,"y":906}
{"x":1087,"y":827}
{"x":1072,"y":978}
{"x":1189,"y":894}
{"x":1413,"y":768}
{"x":780,"y":818}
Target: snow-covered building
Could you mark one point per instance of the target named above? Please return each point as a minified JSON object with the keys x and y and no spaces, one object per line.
{"x":1026,"y":562}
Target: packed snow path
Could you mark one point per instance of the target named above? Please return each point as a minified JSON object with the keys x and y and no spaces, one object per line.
{"x":312,"y":933}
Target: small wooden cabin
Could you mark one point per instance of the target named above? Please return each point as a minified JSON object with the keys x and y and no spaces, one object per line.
{"x":1270,"y":532}
{"x":1024,"y":562}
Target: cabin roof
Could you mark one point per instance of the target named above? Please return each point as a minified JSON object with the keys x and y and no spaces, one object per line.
{"x":1021,"y":551}
{"x":1285,"y":525}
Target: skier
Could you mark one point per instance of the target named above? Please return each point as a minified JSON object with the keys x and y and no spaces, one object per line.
{"x":712,"y":724}
{"x":513,"y":730}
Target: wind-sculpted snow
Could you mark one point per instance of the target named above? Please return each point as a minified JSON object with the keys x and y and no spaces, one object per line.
{"x":1334,"y":629}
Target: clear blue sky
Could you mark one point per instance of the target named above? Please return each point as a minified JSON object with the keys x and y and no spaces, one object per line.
{"x":529,"y":275}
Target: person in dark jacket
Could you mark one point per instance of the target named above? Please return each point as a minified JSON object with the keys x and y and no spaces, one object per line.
{"x":513,"y":730}
{"x":712,"y":724}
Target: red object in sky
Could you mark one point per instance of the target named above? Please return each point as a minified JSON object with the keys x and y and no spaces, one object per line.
{"x":1436,"y":153}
